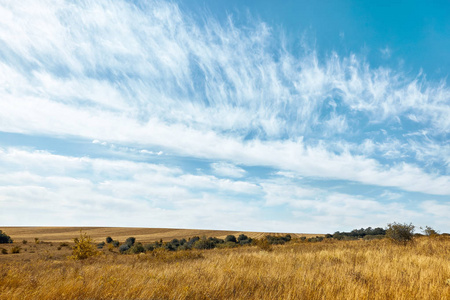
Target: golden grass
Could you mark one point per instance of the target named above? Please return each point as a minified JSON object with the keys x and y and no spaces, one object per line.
{"x":98,"y":234}
{"x":326,"y":270}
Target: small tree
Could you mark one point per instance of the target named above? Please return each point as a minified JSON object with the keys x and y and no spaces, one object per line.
{"x":400,"y":233}
{"x":83,"y":247}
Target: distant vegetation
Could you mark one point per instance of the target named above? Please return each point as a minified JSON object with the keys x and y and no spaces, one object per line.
{"x":358,"y":234}
{"x":132,"y":247}
{"x":399,"y":233}
{"x":4,"y":238}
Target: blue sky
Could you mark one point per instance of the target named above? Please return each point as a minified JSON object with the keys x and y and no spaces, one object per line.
{"x":295,"y":117}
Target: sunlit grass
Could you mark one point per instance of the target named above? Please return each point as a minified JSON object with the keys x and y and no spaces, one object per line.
{"x":331,"y":269}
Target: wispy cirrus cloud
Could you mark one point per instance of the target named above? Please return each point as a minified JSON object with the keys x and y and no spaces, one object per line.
{"x":152,"y":76}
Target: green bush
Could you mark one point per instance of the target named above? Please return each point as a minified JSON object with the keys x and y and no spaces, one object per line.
{"x":242,"y":237}
{"x":124,"y":248}
{"x":109,"y":240}
{"x":4,"y":238}
{"x":400,"y":233}
{"x":231,"y":238}
{"x":204,"y":243}
{"x":150,"y":247}
{"x":130,"y":241}
{"x":137,"y":248}
{"x":278,"y":240}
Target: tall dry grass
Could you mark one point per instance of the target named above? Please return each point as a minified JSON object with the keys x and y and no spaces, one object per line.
{"x":327,"y":270}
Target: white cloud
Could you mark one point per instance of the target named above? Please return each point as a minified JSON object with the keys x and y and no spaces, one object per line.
{"x":228,"y":170}
{"x":36,"y":189}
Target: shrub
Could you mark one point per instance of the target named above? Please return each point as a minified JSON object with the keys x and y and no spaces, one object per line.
{"x":150,"y":247}
{"x":231,"y":238}
{"x":137,"y":248}
{"x":315,"y":239}
{"x":429,"y":231}
{"x":37,"y":241}
{"x":374,"y":237}
{"x":174,"y":244}
{"x":130,"y":241}
{"x":110,"y":247}
{"x":242,"y":237}
{"x":204,"y":244}
{"x":64,"y":244}
{"x":278,"y":240}
{"x":170,"y":247}
{"x":227,"y":245}
{"x":115,"y":243}
{"x":357,"y":233}
{"x":124,"y":248}
{"x":246,"y":242}
{"x":100,"y":245}
{"x":109,"y":240}
{"x":400,"y":233}
{"x":4,"y":238}
{"x":190,"y":243}
{"x":24,"y":242}
{"x":15,"y":249}
{"x":184,"y":247}
{"x":83,"y":247}
{"x":4,"y":251}
{"x":264,"y":245}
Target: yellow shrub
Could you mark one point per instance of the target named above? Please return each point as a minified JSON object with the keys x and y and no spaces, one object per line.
{"x":83,"y":247}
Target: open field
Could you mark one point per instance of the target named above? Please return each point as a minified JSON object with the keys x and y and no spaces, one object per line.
{"x":330,"y":269}
{"x":98,"y":234}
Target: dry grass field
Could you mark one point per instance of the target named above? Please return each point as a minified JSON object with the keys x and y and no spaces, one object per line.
{"x":330,"y":269}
